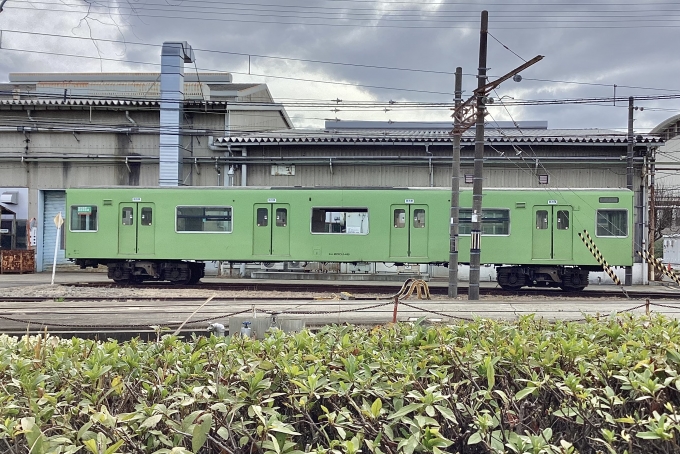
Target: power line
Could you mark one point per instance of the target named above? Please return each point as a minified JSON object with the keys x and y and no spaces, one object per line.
{"x":538,"y":24}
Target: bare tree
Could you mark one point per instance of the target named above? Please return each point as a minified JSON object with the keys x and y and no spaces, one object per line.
{"x":667,"y":212}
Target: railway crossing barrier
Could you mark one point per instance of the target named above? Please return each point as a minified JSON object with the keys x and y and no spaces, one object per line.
{"x":656,"y":263}
{"x":592,"y":247}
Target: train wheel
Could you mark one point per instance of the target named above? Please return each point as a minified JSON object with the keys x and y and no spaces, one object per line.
{"x":511,"y":279}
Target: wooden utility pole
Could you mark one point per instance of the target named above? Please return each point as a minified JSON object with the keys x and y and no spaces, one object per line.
{"x":455,"y":189}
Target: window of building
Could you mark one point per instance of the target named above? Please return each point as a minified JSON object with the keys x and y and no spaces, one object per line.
{"x":340,"y":220}
{"x":495,"y":221}
{"x":83,"y":218}
{"x":612,"y":223}
{"x":204,"y":219}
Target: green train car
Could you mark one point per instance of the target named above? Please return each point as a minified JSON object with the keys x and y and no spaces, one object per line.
{"x":530,"y":235}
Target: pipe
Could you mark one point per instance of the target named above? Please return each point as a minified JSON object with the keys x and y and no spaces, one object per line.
{"x":244,"y":169}
{"x":127,"y":115}
{"x":28,"y":112}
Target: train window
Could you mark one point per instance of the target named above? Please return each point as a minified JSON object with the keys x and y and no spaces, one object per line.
{"x":541,"y":219}
{"x":83,"y":218}
{"x":495,"y":221}
{"x":340,"y":220}
{"x":147,"y":215}
{"x":126,"y":216}
{"x":612,"y":223}
{"x":418,"y":218}
{"x":262,"y":217}
{"x":562,"y":220}
{"x":204,"y":219}
{"x":281,"y":217}
{"x":399,"y":219}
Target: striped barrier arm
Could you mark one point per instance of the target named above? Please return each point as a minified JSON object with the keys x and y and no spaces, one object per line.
{"x":656,"y":263}
{"x":590,"y":244}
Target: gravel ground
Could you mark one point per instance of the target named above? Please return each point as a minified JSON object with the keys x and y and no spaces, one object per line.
{"x":61,"y":291}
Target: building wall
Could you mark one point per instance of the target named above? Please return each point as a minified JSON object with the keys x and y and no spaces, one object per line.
{"x":584,"y":170}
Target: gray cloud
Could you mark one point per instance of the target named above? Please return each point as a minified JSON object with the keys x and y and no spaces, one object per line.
{"x":605,"y":42}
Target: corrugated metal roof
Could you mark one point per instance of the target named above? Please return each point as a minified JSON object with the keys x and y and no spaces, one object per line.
{"x":293,"y":136}
{"x":105,"y":102}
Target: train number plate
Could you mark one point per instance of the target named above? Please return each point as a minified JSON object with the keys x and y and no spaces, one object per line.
{"x":409,"y":201}
{"x":552,"y":202}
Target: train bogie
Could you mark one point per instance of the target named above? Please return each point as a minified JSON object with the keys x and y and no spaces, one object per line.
{"x":167,"y":233}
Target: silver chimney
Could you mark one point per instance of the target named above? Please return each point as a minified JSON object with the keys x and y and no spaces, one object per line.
{"x":173,"y":57}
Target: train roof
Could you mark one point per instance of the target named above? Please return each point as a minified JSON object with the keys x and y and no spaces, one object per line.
{"x":344,"y":188}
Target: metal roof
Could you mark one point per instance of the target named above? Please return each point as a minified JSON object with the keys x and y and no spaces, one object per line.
{"x":299,"y":136}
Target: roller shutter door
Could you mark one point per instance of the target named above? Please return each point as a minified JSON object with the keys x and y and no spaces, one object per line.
{"x":55,"y":201}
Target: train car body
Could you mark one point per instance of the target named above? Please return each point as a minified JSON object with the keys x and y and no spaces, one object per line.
{"x":531,"y":235}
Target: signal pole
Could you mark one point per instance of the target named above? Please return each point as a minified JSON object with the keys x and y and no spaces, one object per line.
{"x":476,"y":231}
{"x":455,"y":189}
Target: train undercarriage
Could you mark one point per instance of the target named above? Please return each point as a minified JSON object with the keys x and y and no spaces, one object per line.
{"x":512,"y":278}
{"x":136,"y":271}
{"x":569,"y":279}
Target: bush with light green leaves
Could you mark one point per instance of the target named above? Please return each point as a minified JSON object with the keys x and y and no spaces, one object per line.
{"x":528,"y":386}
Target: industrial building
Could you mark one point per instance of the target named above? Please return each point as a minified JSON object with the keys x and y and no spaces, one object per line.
{"x":69,"y":130}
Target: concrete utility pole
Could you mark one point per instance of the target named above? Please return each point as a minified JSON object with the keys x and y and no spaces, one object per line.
{"x":652,"y":207}
{"x":476,"y":231}
{"x":455,"y":189}
{"x":467,"y":115}
{"x":629,"y":181}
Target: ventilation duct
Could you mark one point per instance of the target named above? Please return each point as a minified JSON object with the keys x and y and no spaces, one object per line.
{"x":173,"y":57}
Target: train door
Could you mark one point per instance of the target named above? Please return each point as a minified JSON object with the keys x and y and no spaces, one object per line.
{"x":271,"y":233}
{"x":136,"y":234}
{"x":408,"y":233}
{"x":552,"y":236}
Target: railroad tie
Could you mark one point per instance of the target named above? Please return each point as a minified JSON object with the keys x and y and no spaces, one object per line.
{"x":592,"y":247}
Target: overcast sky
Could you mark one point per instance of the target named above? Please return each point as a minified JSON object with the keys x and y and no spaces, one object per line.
{"x":589,"y":46}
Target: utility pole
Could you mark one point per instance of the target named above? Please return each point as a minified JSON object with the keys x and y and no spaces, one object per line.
{"x":476,"y":231}
{"x":455,"y":189}
{"x":652,"y":207}
{"x":629,"y":182}
{"x":466,"y":116}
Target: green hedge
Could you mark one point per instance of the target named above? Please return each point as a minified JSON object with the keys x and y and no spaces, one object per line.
{"x":475,"y":387}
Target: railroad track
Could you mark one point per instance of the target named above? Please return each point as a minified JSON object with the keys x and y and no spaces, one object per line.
{"x":386,"y":289}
